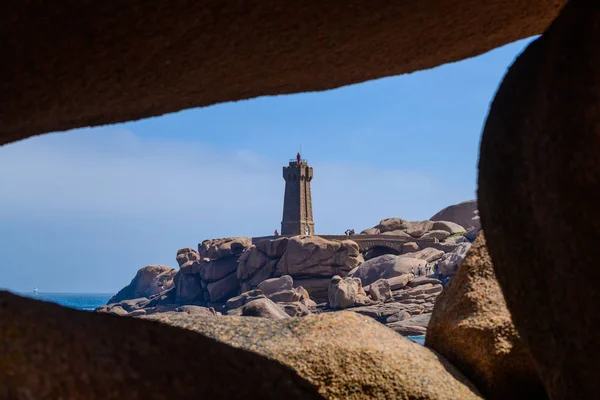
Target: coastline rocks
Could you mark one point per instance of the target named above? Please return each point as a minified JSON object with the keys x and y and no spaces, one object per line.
{"x":392,"y":224}
{"x":263,"y":308}
{"x":223,"y":289}
{"x":380,"y":290}
{"x":222,"y":248}
{"x":346,"y":292}
{"x":148,"y":281}
{"x":274,"y":285}
{"x":214,"y":270}
{"x":461,"y":214}
{"x":398,"y":282}
{"x":449,"y":263}
{"x":428,"y":254}
{"x":309,"y":261}
{"x":238,"y":301}
{"x":451,"y":227}
{"x":472,"y":327}
{"x":186,"y":255}
{"x":331,"y":350}
{"x":412,"y":326}
{"x":188,"y":288}
{"x":386,"y":266}
{"x":437,"y":234}
{"x":314,"y":256}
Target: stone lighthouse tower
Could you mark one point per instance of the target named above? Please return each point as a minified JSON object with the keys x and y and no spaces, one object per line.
{"x":297,"y":203}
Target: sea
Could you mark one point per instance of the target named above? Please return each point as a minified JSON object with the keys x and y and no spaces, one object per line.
{"x":90,"y":301}
{"x":79,"y":301}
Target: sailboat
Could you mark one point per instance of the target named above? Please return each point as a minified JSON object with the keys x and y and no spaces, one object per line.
{"x":35,"y":290}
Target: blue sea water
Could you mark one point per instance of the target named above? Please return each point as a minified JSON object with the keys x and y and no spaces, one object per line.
{"x":79,"y":301}
{"x":417,"y":339}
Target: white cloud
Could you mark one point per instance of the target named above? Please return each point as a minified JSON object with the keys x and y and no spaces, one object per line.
{"x":97,"y":204}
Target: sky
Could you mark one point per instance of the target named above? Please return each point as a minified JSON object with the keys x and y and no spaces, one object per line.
{"x":81,"y":211}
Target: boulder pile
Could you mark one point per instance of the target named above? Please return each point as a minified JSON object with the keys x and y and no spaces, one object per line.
{"x":310,"y":260}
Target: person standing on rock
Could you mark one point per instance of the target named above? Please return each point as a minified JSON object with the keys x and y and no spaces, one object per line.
{"x":419,"y":270}
{"x":305,"y":229}
{"x":426,"y":269}
{"x":276,"y":232}
{"x":412,"y":270}
{"x":298,"y":158}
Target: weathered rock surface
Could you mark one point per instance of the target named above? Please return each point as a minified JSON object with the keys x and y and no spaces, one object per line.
{"x":238,"y":301}
{"x":398,"y":282}
{"x":46,"y":352}
{"x":274,"y":285}
{"x":412,"y":326}
{"x":330,"y":350}
{"x":387,"y":266}
{"x":549,"y":192}
{"x":461,"y":214}
{"x":437,"y":234}
{"x":295,"y":309}
{"x":186,"y":255}
{"x":428,"y":254}
{"x":223,"y":289}
{"x":313,"y":256}
{"x":318,"y":288}
{"x":188,"y":288}
{"x":451,"y":227}
{"x":346,"y":292}
{"x":148,"y":281}
{"x":263,"y":308}
{"x":301,"y":40}
{"x":218,"y":269}
{"x":449,"y":263}
{"x":222,"y":248}
{"x":472,"y":327}
{"x":380,"y":290}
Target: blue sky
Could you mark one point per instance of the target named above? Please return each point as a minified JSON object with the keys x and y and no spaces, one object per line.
{"x":82,"y":211}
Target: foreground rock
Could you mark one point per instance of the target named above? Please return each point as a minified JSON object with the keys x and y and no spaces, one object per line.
{"x":147,"y":282}
{"x":49,"y":352}
{"x":539,"y":188}
{"x":344,"y":355}
{"x":472,"y":327}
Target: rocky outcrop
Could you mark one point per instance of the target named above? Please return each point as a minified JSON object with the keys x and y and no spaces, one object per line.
{"x":428,"y":254}
{"x":472,"y":327}
{"x":380,"y":290}
{"x":148,"y":281}
{"x":463,"y":214}
{"x":343,"y":355}
{"x":346,"y":292}
{"x":215,"y":249}
{"x":48,"y":351}
{"x":263,"y":308}
{"x":310,"y":260}
{"x":449,"y":263}
{"x":387,"y":266}
{"x":210,"y":275}
{"x":186,"y":255}
{"x":539,"y":197}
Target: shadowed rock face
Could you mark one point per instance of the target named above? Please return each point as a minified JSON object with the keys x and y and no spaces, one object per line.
{"x":471,"y":326}
{"x":539,"y":197}
{"x":110,"y":63}
{"x":48,"y":351}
